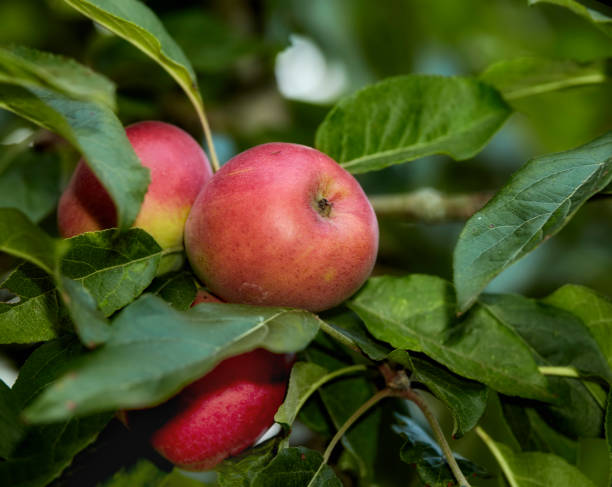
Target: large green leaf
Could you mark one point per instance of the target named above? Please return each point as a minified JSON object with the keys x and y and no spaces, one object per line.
{"x":305,"y":379}
{"x":341,"y":398}
{"x":405,"y":118}
{"x":154,"y":350}
{"x":33,"y":315}
{"x":31,"y":183}
{"x":346,"y":327}
{"x":11,"y":428}
{"x":96,"y":132}
{"x":466,"y":399}
{"x":540,"y":199}
{"x":535,"y":469}
{"x":47,"y":450}
{"x":88,"y":320}
{"x":608,"y":432}
{"x":596,"y":12}
{"x":240,"y":470}
{"x":115,"y":269}
{"x":595,"y":311}
{"x":178,"y":288}
{"x":537,"y":323}
{"x":576,"y":413}
{"x":417,"y":313}
{"x":31,"y":68}
{"x":422,"y":451}
{"x":138,"y":24}
{"x":146,"y":474}
{"x":21,"y":238}
{"x":530,"y":76}
{"x":297,"y":467}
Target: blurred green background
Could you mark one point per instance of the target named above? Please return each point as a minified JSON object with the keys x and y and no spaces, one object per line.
{"x":271,"y":69}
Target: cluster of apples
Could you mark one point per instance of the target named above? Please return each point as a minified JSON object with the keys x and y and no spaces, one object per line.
{"x":279,"y":225}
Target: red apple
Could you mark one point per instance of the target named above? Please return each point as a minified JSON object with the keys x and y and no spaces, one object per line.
{"x":220,"y":414}
{"x":179,"y":168}
{"x":284,"y":225}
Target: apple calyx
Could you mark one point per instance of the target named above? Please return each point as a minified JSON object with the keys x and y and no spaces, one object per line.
{"x":324,"y":207}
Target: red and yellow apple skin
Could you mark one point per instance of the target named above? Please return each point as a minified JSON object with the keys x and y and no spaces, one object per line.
{"x":282,"y":225}
{"x":222,"y":413}
{"x":179,"y":169}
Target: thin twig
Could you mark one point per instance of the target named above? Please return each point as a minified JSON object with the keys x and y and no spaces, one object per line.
{"x":413,"y":396}
{"x":354,"y":417}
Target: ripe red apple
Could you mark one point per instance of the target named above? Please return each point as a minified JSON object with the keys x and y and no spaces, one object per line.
{"x":220,"y":414}
{"x":179,"y":168}
{"x":282,"y":224}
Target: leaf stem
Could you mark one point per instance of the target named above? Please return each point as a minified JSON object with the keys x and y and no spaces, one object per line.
{"x":498,"y":456}
{"x":199,"y":106}
{"x":354,"y":417}
{"x":559,"y":371}
{"x":413,"y":396}
{"x":172,"y":250}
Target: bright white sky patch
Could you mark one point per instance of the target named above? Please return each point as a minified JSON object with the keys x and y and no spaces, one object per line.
{"x":303,"y":73}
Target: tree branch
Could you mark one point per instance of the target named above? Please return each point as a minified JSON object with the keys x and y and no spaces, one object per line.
{"x":430,"y":206}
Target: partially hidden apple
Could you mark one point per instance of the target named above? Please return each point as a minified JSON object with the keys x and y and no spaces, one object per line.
{"x":282,"y":225}
{"x":179,"y":169}
{"x":220,"y":414}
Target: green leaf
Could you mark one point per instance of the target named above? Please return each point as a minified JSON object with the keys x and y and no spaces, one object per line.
{"x":417,"y":313}
{"x":305,"y":379}
{"x":537,"y":322}
{"x":28,"y":67}
{"x":540,"y":199}
{"x":89,"y":322}
{"x":608,"y":432}
{"x":534,"y":469}
{"x":96,"y":132}
{"x":341,"y":399}
{"x":34,"y":317}
{"x":550,"y":439}
{"x":21,"y":238}
{"x":240,"y":470}
{"x":46,"y":451}
{"x":297,"y":467}
{"x":11,"y":428}
{"x":595,"y":311}
{"x":408,"y":117}
{"x":136,"y":23}
{"x":178,"y":289}
{"x":31,"y":183}
{"x":423,"y":452}
{"x":154,"y":350}
{"x":347,"y":324}
{"x":531,"y":76}
{"x":576,"y":413}
{"x":146,"y":474}
{"x":597,"y":13}
{"x":466,"y":399}
{"x":115,"y":269}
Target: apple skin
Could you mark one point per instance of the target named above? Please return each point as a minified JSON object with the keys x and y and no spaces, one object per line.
{"x":282,"y":225}
{"x":179,"y":169}
{"x":222,"y":413}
